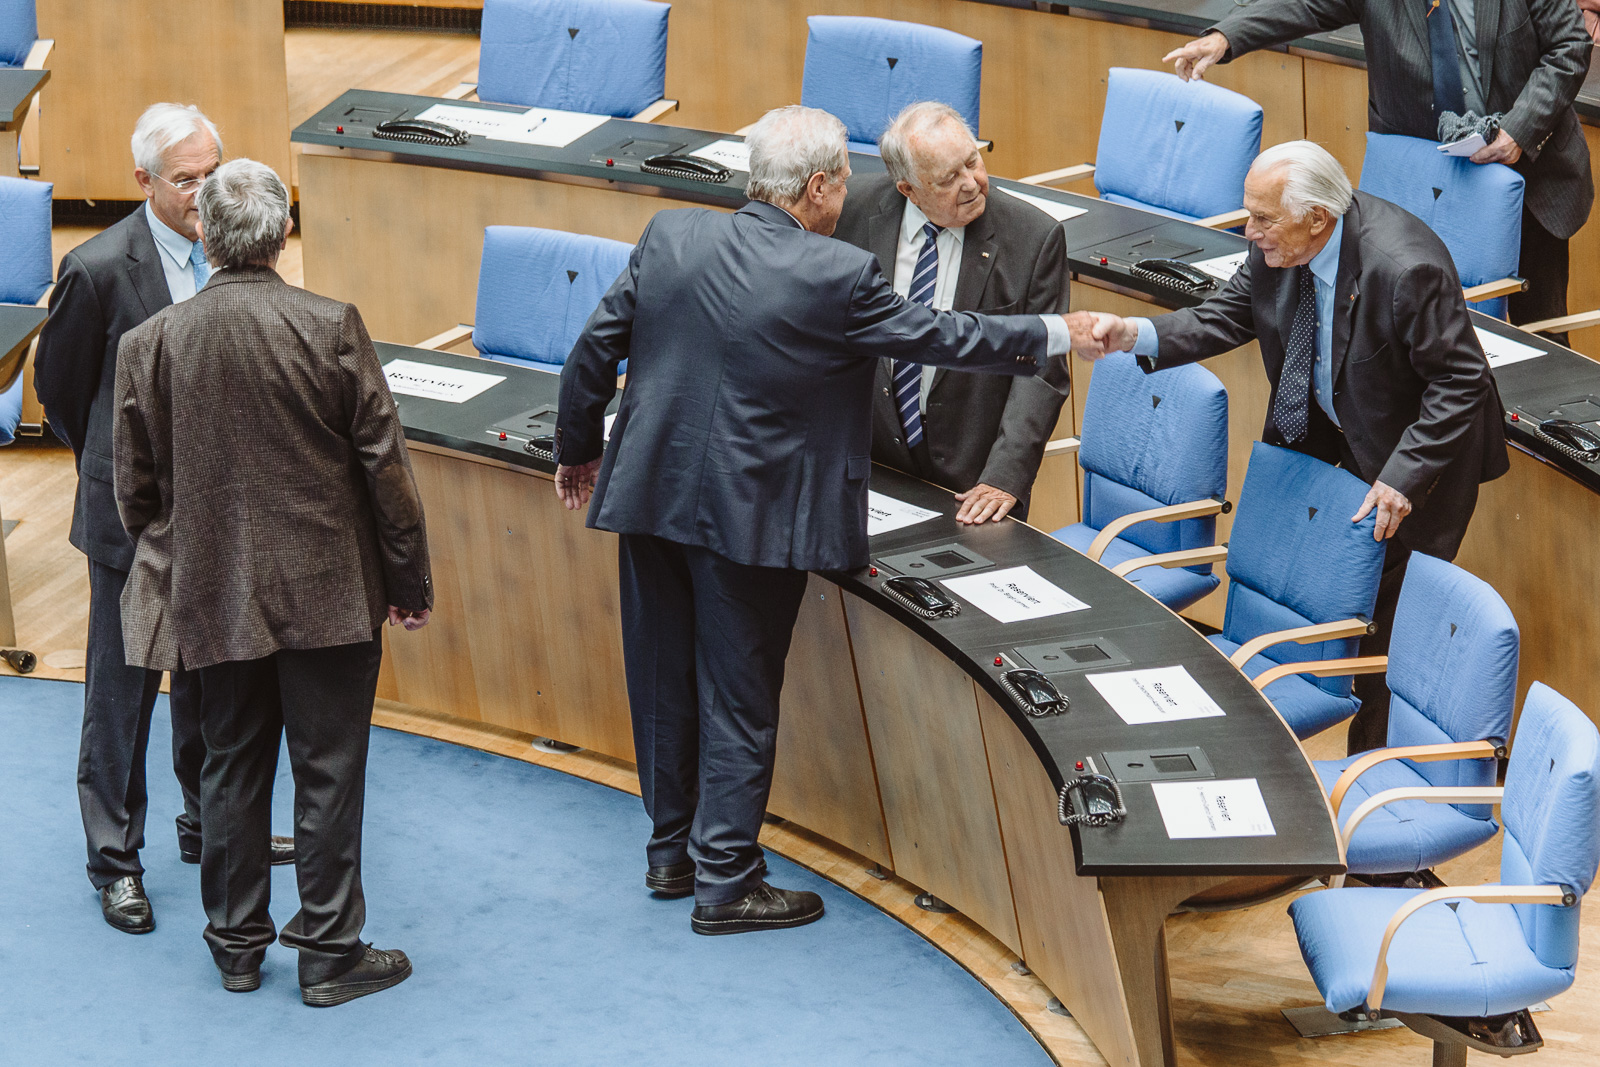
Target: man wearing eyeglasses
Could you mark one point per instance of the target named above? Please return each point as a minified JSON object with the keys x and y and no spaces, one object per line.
{"x":107,"y":286}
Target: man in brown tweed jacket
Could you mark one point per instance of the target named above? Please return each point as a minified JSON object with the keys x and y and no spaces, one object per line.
{"x":262,"y":474}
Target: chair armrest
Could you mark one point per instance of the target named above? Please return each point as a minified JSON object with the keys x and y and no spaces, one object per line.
{"x":463,"y":91}
{"x":1467,"y":794}
{"x":1189,"y":557}
{"x":656,"y":110}
{"x":1062,"y":446}
{"x":1193,"y":509}
{"x":1322,"y":668}
{"x":1484,"y":894}
{"x":987,"y":146}
{"x":1502,"y":287}
{"x":39,"y":53}
{"x":744,"y":131}
{"x":44,"y":301}
{"x":1419,"y":753}
{"x":1564,"y":323}
{"x":1301,"y":635}
{"x":1225,"y":221}
{"x":1065,"y":174}
{"x":441,"y":341}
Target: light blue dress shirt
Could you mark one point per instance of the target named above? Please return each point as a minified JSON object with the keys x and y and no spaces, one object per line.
{"x":175,"y":251}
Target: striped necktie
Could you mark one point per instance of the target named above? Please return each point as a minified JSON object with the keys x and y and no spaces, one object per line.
{"x":908,"y":376}
{"x":202,"y":269}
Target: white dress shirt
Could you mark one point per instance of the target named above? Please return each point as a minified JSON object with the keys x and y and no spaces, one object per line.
{"x":175,"y":249}
{"x":949,"y":243}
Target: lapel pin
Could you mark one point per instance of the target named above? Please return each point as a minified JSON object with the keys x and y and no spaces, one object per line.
{"x":984,"y":254}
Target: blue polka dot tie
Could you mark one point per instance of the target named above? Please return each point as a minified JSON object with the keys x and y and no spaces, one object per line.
{"x":908,"y":376}
{"x":202,"y":269}
{"x":1291,"y":409}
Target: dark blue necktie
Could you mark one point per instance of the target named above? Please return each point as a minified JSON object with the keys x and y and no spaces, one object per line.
{"x":1290,"y":409}
{"x":908,"y":376}
{"x":1448,"y":92}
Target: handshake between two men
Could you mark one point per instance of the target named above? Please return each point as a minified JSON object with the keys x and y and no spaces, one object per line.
{"x":1095,"y":333}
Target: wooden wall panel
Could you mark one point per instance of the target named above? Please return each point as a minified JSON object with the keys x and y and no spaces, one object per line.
{"x":1336,"y":111}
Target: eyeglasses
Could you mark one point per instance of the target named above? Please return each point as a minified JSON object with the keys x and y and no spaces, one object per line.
{"x":188,"y":185}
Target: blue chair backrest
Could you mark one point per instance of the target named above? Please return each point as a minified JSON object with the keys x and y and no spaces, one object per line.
{"x":1180,"y":148}
{"x":1151,"y":440}
{"x":1476,"y":209}
{"x":537,"y":288}
{"x":1295,"y":558}
{"x":604,"y":57}
{"x":865,"y":70}
{"x":19,"y":28}
{"x":24,"y":240}
{"x":1551,"y":813}
{"x":1452,"y":669}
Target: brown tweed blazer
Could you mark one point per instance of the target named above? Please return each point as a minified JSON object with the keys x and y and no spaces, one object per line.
{"x":262,"y":474}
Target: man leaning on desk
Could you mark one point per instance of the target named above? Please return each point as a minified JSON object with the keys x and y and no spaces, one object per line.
{"x":943,"y":240}
{"x":738,"y":462}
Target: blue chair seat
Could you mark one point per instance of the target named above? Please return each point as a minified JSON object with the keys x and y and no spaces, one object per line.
{"x":1307,"y":708}
{"x":11,"y":412}
{"x":1455,"y":958}
{"x":1176,"y":587}
{"x":868,"y":147}
{"x":1409,"y":835}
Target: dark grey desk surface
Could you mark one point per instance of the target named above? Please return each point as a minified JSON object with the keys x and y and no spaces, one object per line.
{"x":17,"y":87}
{"x":1250,"y":741}
{"x":18,"y":324}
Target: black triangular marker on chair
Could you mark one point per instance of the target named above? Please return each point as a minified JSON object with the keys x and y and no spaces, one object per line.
{"x":572,"y":31}
{"x":1178,"y":123}
{"x":892,"y":62}
{"x":1437,"y":193}
{"x":1452,"y":629}
{"x":1312,"y":515}
{"x":1155,"y":401}
{"x":572,"y":276}
{"x":1452,"y":904}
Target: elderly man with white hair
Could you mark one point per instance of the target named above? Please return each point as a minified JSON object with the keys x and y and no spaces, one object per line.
{"x":1373,"y":362}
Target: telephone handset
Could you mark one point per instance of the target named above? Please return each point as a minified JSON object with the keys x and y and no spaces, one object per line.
{"x":921,"y":596}
{"x":1173,"y":273}
{"x":1100,"y":800}
{"x":1036,"y":693}
{"x":685,"y":166}
{"x":423,"y":131}
{"x":1571,"y":438}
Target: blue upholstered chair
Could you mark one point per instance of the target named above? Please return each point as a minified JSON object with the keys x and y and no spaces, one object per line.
{"x":1155,"y":469}
{"x":1461,"y":964}
{"x":1476,"y":209}
{"x":24,"y":278}
{"x":1452,"y":670}
{"x":1172,"y":147}
{"x":865,"y":70}
{"x":19,"y":32}
{"x":603,"y":57}
{"x":1302,"y":579}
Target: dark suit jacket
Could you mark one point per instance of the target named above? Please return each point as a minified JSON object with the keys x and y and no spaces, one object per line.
{"x":1533,"y":56}
{"x":106,"y":286}
{"x":262,"y":474}
{"x":751,"y":345}
{"x":978,"y":427}
{"x":1411,"y":386}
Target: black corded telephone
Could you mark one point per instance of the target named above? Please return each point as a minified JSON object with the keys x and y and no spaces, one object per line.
{"x":423,"y":131}
{"x":1036,"y":693}
{"x":921,"y":596}
{"x":1100,"y":800}
{"x":1572,"y":438}
{"x":684,"y":166}
{"x":1175,"y":274}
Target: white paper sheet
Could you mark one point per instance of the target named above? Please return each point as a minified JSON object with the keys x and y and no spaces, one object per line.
{"x":885,"y":513}
{"x":1014,"y":594}
{"x":410,"y":378}
{"x":610,"y":421}
{"x":1161,"y":694}
{"x":1054,"y":208}
{"x":1231,"y":807}
{"x":735,"y":155}
{"x":1468,"y":145}
{"x":1503,"y":351}
{"x":537,"y":125}
{"x":1222,"y":268}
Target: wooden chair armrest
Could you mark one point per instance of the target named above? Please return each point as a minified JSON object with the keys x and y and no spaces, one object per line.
{"x":1193,"y":509}
{"x":1322,"y":668}
{"x":987,"y":146}
{"x":1566,"y":322}
{"x":1062,"y":446}
{"x":1501,"y":287}
{"x":1189,"y":557}
{"x":441,"y":341}
{"x":1418,"y":753}
{"x":44,"y":301}
{"x":1301,"y":635}
{"x":39,"y":53}
{"x":656,"y":110}
{"x":744,"y":131}
{"x":1475,"y":794}
{"x":463,"y":91}
{"x":1558,"y":895}
{"x":1225,"y":221}
{"x":1065,"y":174}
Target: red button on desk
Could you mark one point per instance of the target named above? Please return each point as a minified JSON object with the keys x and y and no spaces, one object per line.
{"x":1080,"y":765}
{"x":872,"y":572}
{"x":999,"y":662}
{"x":1104,"y":261}
{"x":502,"y":437}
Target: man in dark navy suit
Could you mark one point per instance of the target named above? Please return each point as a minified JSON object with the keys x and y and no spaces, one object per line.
{"x":737,"y":463}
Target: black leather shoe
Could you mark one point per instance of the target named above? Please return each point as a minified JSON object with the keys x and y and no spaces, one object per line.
{"x":378,"y":970}
{"x":244,"y":982}
{"x":766,"y":908}
{"x":282,"y":852}
{"x":673,"y":880}
{"x":125,"y":906}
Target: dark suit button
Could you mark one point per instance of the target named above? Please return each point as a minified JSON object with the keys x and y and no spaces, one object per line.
{"x":896,"y":440}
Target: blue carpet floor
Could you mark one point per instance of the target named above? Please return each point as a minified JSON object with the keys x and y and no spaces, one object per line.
{"x":516,"y":891}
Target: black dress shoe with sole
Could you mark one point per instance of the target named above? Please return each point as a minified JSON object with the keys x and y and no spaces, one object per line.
{"x":378,"y":970}
{"x":765,"y":908}
{"x":672,"y":880}
{"x":282,"y":852}
{"x":125,"y":906}
{"x":244,"y":982}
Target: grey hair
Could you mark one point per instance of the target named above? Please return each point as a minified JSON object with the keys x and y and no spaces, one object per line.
{"x":1315,"y":178}
{"x":244,"y":211}
{"x":164,"y":125}
{"x":790,"y":144}
{"x":895,"y":144}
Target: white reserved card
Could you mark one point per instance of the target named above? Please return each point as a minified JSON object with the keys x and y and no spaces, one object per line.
{"x":1054,"y":208}
{"x":1160,"y":694}
{"x":1503,"y":351}
{"x":537,"y":125}
{"x":409,"y":378}
{"x":885,"y":513}
{"x":735,"y":155}
{"x":1222,"y":268}
{"x":1231,"y":807}
{"x":1014,"y":594}
{"x":1470,"y":145}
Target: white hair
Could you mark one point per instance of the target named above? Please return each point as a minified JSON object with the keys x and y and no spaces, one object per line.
{"x":1314,"y":178}
{"x":895,"y":144}
{"x":790,"y":144}
{"x":244,"y":212}
{"x":164,"y":125}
